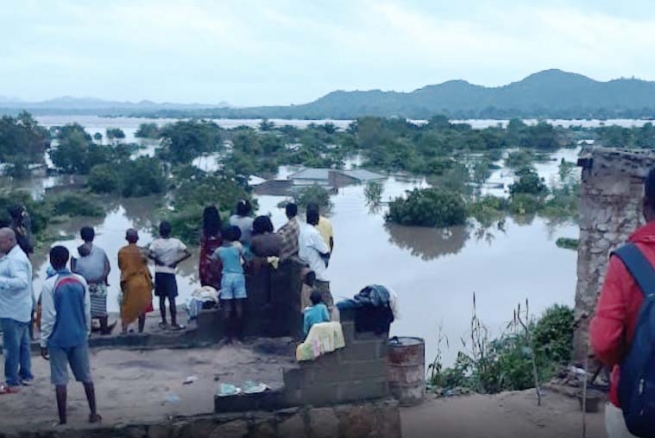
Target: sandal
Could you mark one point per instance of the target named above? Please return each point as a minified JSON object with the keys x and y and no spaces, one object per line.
{"x":163,"y":325}
{"x":177,"y":327}
{"x":4,"y":389}
{"x":95,"y":418}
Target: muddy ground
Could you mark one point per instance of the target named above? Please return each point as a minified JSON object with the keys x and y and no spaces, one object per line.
{"x":507,"y":415}
{"x":144,"y":385}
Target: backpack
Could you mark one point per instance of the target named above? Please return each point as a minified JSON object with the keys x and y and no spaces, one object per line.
{"x":636,"y":388}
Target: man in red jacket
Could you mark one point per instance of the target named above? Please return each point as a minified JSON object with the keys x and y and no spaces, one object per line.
{"x":614,"y":323}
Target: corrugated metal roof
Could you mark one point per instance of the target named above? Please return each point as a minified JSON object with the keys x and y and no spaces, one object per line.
{"x":317,"y":174}
{"x":363,"y":174}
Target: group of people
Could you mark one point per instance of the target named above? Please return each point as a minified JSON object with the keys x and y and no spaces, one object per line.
{"x":246,"y":240}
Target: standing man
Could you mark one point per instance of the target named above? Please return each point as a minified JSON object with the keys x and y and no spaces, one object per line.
{"x":65,"y":329}
{"x":93,"y":265}
{"x":16,"y":304}
{"x":324,"y":227}
{"x":167,"y":252}
{"x":613,"y":327}
{"x":313,"y":250}
{"x":289,"y":233}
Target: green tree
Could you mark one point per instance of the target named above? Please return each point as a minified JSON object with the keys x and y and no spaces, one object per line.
{"x":148,"y":130}
{"x":71,"y":154}
{"x":428,"y":208}
{"x":529,"y":182}
{"x":184,"y":141}
{"x":97,"y":136}
{"x":115,"y":134}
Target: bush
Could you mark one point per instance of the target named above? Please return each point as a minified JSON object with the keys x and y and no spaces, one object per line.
{"x":148,"y":130}
{"x":553,"y":334}
{"x":103,"y":178}
{"x":529,"y":182}
{"x":312,"y":195}
{"x":131,"y":178}
{"x":524,"y":204}
{"x":76,"y":205}
{"x":429,"y":208}
{"x":488,"y":209}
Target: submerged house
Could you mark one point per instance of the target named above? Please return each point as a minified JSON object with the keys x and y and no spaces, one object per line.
{"x":330,"y":179}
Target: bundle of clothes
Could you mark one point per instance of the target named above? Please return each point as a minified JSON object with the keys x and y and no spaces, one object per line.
{"x":203,"y":298}
{"x":376,"y":307}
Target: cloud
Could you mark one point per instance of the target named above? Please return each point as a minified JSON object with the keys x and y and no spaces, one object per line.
{"x":256,"y":52}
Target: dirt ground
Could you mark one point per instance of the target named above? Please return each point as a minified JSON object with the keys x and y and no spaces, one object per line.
{"x":137,"y":384}
{"x":507,"y":415}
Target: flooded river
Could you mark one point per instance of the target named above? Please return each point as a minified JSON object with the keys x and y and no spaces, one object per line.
{"x":434,"y":272}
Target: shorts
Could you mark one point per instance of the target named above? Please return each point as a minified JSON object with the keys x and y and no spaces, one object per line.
{"x":76,"y":357}
{"x":98,"y":296}
{"x":165,"y":285}
{"x":233,"y":286}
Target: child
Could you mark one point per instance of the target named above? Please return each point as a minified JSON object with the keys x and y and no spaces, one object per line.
{"x":65,"y":328}
{"x":233,"y":282}
{"x":167,"y":252}
{"x":315,"y":314}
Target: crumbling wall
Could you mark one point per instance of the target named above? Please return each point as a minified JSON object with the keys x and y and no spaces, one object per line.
{"x":380,"y":420}
{"x":610,"y":210}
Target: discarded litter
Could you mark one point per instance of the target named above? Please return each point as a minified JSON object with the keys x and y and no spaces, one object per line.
{"x":251,"y":387}
{"x":189,"y":380}
{"x":172,"y":398}
{"x":225,"y":389}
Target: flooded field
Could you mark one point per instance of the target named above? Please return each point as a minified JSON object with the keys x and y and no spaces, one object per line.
{"x":434,"y":272}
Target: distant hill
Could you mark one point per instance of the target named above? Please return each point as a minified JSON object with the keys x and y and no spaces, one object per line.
{"x":89,"y":105}
{"x":547,"y":94}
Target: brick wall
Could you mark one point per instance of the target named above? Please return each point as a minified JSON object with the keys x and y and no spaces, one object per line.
{"x":355,"y":373}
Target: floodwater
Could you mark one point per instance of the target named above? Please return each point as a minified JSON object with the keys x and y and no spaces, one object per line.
{"x":434,"y":272}
{"x":129,"y":125}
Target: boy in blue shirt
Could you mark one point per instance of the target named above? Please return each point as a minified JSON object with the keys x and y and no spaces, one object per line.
{"x":233,"y":282}
{"x":65,"y":328}
{"x":315,"y":314}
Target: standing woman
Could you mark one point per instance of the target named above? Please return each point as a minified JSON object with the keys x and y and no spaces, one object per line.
{"x":136,"y":282}
{"x":210,"y":269}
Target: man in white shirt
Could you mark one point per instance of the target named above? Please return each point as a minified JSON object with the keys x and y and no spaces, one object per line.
{"x":167,"y":252}
{"x":313,"y":250}
{"x":16,"y":305}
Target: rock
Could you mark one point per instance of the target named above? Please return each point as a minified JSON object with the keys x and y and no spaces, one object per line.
{"x":323,"y":423}
{"x":232,"y":429}
{"x":294,"y":426}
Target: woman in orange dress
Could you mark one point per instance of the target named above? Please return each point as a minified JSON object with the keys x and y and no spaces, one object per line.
{"x":136,"y":283}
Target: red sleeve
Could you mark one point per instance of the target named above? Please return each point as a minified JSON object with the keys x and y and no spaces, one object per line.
{"x":607,"y":330}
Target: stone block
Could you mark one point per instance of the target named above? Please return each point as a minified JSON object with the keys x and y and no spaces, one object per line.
{"x":323,"y":423}
{"x":362,"y":350}
{"x":162,"y":430}
{"x":356,"y":421}
{"x":294,"y":378}
{"x":319,"y":394}
{"x":293,"y":426}
{"x":362,"y":390}
{"x":387,"y":420}
{"x":231,"y":429}
{"x":195,"y":427}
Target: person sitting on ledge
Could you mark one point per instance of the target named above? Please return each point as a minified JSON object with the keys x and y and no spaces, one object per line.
{"x":315,"y":314}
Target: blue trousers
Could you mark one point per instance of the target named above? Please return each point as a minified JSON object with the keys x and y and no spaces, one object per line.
{"x":16,"y":341}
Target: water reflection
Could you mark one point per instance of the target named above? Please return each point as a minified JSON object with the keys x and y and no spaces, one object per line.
{"x":428,"y":243}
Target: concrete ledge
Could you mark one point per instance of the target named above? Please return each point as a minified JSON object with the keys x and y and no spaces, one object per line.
{"x":380,"y":419}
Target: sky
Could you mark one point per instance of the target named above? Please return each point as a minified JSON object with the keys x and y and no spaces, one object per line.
{"x":282,"y":52}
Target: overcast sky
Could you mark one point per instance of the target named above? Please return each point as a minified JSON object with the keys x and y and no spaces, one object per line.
{"x":264,"y":52}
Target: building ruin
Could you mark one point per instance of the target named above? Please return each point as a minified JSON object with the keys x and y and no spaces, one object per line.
{"x":610,"y":210}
